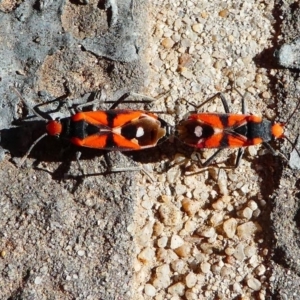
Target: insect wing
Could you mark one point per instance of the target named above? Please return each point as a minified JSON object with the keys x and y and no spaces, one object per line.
{"x":121,"y":130}
{"x":212,"y":130}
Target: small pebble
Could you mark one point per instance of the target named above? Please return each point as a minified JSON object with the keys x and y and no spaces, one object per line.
{"x":170,"y":214}
{"x":218,"y":205}
{"x":230,"y":260}
{"x":266,"y":95}
{"x":38,"y":280}
{"x":226,"y":271}
{"x":162,"y":242}
{"x":246,"y":230}
{"x":254,"y":284}
{"x":186,"y":43}
{"x":177,"y":289}
{"x":252,"y":150}
{"x":147,"y":204}
{"x":190,"y":226}
{"x":208,"y":232}
{"x":294,"y":161}
{"x":184,"y":250}
{"x":150,"y":290}
{"x":162,"y":279}
{"x":288,"y":55}
{"x":198,"y":27}
{"x":239,"y":252}
{"x":256,"y":213}
{"x":168,"y":43}
{"x":191,"y":279}
{"x":205,"y":267}
{"x":176,"y":241}
{"x":224,"y":13}
{"x":173,"y":174}
{"x":237,"y":287}
{"x":229,"y":227}
{"x":145,"y":234}
{"x":229,"y":250}
{"x":253,"y":261}
{"x":207,"y":248}
{"x":179,"y":266}
{"x":204,"y":15}
{"x":190,"y":295}
{"x":191,"y":207}
{"x":247,"y":213}
{"x":260,"y":270}
{"x":158,"y":228}
{"x":216,"y":218}
{"x":185,"y":72}
{"x":185,"y":60}
{"x":222,"y":182}
{"x":165,"y":255}
{"x":244,"y":189}
{"x":147,"y":255}
{"x":216,"y":269}
{"x":250,"y":251}
{"x":252,"y":204}
{"x":180,"y":189}
{"x":177,"y":24}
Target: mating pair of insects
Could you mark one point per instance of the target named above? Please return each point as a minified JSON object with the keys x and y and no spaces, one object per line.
{"x":128,"y":130}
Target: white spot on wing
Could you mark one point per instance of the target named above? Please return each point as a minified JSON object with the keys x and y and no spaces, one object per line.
{"x":218,"y":130}
{"x":140,"y":132}
{"x":198,"y":131}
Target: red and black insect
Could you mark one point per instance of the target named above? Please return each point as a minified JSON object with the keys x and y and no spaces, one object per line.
{"x":121,"y":130}
{"x":217,"y":130}
{"x":113,"y":129}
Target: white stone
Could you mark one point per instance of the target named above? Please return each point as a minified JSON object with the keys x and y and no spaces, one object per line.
{"x":254,"y":284}
{"x":191,"y":279}
{"x":177,"y":289}
{"x":162,"y":279}
{"x":38,"y":280}
{"x":229,"y":226}
{"x":150,"y":290}
{"x":176,"y":241}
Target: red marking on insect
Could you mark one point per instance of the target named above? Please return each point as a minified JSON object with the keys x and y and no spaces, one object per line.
{"x":225,"y":130}
{"x":121,"y":130}
{"x":217,"y":130}
{"x":114,"y":129}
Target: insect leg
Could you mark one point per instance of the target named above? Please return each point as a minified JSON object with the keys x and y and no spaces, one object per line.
{"x":220,"y":95}
{"x":100,"y":97}
{"x":78,"y":155}
{"x":112,"y":169}
{"x":244,"y":105}
{"x":224,"y":102}
{"x":209,"y":160}
{"x":36,"y":109}
{"x":239,"y":157}
{"x":122,"y":99}
{"x":273,"y":151}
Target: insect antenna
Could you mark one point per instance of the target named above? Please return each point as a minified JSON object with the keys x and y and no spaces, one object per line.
{"x":30,"y":149}
{"x":293,"y":145}
{"x":35,"y":110}
{"x":287,"y":121}
{"x":292,"y":114}
{"x":40,"y":116}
